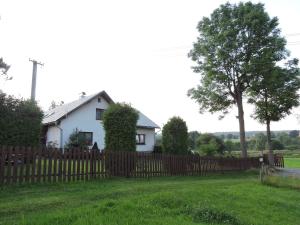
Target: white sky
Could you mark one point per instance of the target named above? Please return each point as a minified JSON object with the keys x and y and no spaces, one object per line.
{"x":134,"y":50}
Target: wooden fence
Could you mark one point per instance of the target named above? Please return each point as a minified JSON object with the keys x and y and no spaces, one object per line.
{"x":34,"y":165}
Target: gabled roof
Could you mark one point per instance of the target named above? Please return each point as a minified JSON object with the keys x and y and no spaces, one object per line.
{"x":60,"y":112}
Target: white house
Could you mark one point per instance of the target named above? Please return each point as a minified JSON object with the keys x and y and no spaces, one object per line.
{"x":85,"y":115}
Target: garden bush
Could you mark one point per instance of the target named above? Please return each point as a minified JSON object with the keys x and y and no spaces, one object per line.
{"x":175,"y":136}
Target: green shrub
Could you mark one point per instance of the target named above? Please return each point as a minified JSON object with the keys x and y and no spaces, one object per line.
{"x":157,"y":149}
{"x":175,"y":136}
{"x":210,"y":144}
{"x":210,"y":215}
{"x":76,"y":140}
{"x":276,"y":145}
{"x":120,"y":127}
{"x":20,"y":121}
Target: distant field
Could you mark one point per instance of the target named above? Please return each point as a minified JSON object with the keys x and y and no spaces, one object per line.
{"x":285,"y":153}
{"x":232,"y":199}
{"x":292,"y":162}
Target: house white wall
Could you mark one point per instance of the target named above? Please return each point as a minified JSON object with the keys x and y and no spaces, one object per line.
{"x":53,"y":136}
{"x":149,"y":139}
{"x":84,"y":119}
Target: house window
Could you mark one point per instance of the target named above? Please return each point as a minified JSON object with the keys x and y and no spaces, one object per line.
{"x":87,"y":137}
{"x":99,"y":99}
{"x":99,"y":114}
{"x":140,"y":139}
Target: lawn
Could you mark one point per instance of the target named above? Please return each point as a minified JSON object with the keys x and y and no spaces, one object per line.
{"x":292,"y":162}
{"x":236,"y":198}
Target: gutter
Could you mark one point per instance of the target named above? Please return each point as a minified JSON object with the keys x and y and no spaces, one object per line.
{"x":61,"y":135}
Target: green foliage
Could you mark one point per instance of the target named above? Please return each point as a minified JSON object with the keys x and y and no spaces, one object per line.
{"x":234,"y":45}
{"x":284,"y":138}
{"x":210,"y":144}
{"x":275,"y":92}
{"x":294,"y":133}
{"x":232,"y":146}
{"x":20,"y":121}
{"x":175,"y":136}
{"x":192,"y":139}
{"x":277,"y":145}
{"x":260,"y":141}
{"x":3,"y":69}
{"x":120,"y":127}
{"x":76,"y":140}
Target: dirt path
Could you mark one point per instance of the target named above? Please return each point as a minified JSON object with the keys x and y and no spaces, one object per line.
{"x":289,"y":172}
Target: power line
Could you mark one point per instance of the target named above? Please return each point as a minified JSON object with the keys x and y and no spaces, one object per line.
{"x":293,"y":34}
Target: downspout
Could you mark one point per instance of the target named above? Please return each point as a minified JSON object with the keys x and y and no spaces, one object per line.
{"x":155,"y":132}
{"x":60,"y":134}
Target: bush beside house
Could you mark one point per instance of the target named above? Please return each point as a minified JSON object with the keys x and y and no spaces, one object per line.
{"x":175,"y":136}
{"x":120,"y":127}
{"x":20,"y":121}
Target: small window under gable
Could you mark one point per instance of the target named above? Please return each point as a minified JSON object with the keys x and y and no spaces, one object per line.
{"x":99,"y":99}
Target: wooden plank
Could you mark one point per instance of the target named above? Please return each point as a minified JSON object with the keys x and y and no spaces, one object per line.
{"x":77,"y":155}
{"x":69,"y":160}
{"x":98,"y":164}
{"x":33,"y":165}
{"x":102,"y":165}
{"x":60,"y":165}
{"x":8,"y":172}
{"x":44,"y":158}
{"x":28,"y":163}
{"x":91,"y":164}
{"x":124,"y":168}
{"x":54,"y":159}
{"x":15,"y":165}
{"x":39,"y":164}
{"x":2,"y":163}
{"x":49,"y":175}
{"x":64,"y":165}
{"x":87,"y":158}
{"x":74,"y":164}
{"x":82,"y":164}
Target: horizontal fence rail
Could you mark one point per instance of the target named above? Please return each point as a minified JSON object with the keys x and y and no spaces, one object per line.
{"x":35,"y":165}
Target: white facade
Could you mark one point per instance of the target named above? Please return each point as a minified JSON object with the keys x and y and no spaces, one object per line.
{"x":84,"y":120}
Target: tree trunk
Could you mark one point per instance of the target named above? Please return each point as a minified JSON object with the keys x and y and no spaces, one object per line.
{"x":242,"y":126}
{"x":269,"y":145}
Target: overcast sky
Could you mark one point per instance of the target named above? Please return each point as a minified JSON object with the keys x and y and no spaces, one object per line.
{"x":134,"y":50}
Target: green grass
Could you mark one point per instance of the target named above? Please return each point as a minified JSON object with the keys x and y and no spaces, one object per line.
{"x":292,"y":162}
{"x":285,"y":153}
{"x":280,"y":181}
{"x":236,"y":198}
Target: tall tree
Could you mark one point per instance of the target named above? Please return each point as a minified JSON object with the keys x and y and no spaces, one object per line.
{"x":274,"y":94}
{"x":232,"y":41}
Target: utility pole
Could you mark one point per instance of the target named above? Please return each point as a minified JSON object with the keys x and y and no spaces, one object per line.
{"x":33,"y":82}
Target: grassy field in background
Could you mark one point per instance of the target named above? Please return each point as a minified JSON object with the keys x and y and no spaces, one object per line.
{"x":292,"y":162}
{"x":235,"y":198}
{"x":285,"y":153}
